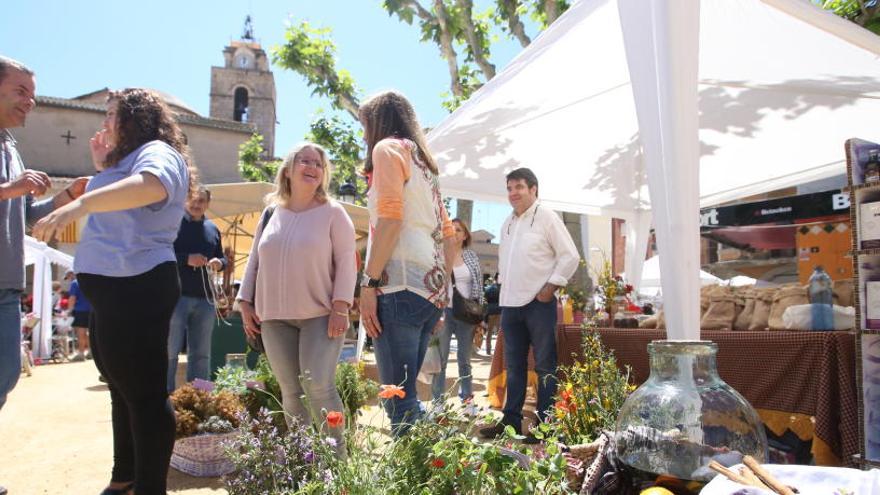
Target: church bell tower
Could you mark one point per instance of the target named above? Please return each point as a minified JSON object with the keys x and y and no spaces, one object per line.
{"x":243,"y":89}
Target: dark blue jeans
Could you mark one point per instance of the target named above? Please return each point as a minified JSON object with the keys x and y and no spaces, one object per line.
{"x":407,"y":320}
{"x":10,"y":341}
{"x":533,"y":324}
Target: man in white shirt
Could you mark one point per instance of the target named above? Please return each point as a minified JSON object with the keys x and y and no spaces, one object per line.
{"x":536,"y":257}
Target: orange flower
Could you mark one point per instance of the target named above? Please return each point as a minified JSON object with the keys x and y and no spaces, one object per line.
{"x":438,"y":463}
{"x":335,"y":419}
{"x":562,"y":406}
{"x":391,"y":391}
{"x":566,"y":395}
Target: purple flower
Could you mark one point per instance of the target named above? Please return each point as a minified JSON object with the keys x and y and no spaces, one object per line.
{"x":331,"y":442}
{"x":203,"y":385}
{"x":309,"y":457}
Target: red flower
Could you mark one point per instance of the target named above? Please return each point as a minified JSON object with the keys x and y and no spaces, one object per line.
{"x":335,"y":419}
{"x":438,"y":463}
{"x":628,"y":288}
{"x":566,"y":395}
{"x":563,"y":406}
{"x":391,"y":391}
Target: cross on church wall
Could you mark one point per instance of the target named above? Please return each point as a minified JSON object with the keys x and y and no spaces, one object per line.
{"x":68,"y":136}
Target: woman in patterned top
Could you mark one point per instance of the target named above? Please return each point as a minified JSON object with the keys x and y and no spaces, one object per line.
{"x":409,"y":252}
{"x":468,"y":281}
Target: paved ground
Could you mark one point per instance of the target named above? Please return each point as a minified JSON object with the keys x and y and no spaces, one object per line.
{"x":57,"y":438}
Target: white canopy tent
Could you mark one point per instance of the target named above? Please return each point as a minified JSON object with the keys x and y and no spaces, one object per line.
{"x":651,"y":275}
{"x":42,"y":257}
{"x":772,"y":89}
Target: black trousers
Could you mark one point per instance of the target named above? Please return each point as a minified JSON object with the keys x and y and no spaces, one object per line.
{"x":129,"y":340}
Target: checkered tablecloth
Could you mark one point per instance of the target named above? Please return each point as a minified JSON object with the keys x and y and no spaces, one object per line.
{"x":806,"y":373}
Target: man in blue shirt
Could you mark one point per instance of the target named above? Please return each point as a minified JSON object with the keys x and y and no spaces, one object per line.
{"x":199,"y":254}
{"x":81,"y":311}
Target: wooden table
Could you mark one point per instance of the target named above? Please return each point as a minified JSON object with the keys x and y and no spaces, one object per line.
{"x":801,"y":381}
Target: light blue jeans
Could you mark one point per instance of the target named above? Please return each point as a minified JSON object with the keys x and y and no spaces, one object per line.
{"x":10,"y":341}
{"x":464,"y":336}
{"x":192,"y":322}
{"x":407,"y":320}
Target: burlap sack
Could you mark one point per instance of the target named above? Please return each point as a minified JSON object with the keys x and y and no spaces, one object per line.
{"x":843,"y":292}
{"x":721,"y":312}
{"x":705,"y":294}
{"x":785,"y":297}
{"x":761,"y":313}
{"x":744,"y":318}
{"x":649,"y":322}
{"x":661,"y":320}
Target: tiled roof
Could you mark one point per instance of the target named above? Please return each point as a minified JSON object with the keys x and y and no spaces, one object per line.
{"x":228,"y":125}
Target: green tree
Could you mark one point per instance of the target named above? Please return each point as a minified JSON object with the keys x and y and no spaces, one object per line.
{"x":865,"y":13}
{"x":251,"y":164}
{"x":342,"y":142}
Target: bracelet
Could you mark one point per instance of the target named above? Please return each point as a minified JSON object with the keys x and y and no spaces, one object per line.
{"x":69,"y":195}
{"x":340,"y":313}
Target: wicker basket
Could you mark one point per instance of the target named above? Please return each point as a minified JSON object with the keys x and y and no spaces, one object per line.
{"x":586,"y":464}
{"x":202,"y":455}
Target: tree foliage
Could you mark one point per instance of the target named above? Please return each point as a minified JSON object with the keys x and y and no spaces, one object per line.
{"x":342,"y":142}
{"x":865,"y":13}
{"x":252,"y":164}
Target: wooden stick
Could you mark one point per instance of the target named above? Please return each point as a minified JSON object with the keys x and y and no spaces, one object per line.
{"x":749,"y":475}
{"x":731,"y":475}
{"x":766,"y":477}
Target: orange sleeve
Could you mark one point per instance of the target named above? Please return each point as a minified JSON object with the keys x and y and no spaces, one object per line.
{"x":391,"y":170}
{"x":448,"y":228}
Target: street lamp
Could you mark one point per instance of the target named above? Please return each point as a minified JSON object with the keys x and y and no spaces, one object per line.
{"x":347,"y":192}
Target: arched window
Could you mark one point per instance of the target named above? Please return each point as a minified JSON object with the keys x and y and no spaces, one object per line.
{"x":241,"y":105}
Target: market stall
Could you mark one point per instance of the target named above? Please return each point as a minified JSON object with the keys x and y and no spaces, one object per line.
{"x":798,"y":381}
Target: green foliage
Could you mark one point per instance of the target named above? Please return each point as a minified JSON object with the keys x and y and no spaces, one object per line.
{"x":343,"y":142}
{"x":252,"y":163}
{"x":311,"y":52}
{"x":591,"y":394}
{"x":354,"y":389}
{"x":863,"y":13}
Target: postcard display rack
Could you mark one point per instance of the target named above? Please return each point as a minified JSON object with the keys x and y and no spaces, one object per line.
{"x":863,"y":174}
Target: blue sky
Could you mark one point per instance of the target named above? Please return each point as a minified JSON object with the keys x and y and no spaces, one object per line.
{"x":79,"y":47}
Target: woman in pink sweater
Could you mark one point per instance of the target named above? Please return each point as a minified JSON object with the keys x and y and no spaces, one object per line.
{"x":299,"y":285}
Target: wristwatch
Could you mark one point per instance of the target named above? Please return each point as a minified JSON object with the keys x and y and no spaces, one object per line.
{"x":372,"y":283}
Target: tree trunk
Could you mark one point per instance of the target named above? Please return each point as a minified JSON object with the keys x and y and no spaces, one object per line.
{"x":581,"y":278}
{"x":446,"y":47}
{"x":464,"y":211}
{"x":550,"y":11}
{"x":517,"y":29}
{"x":473,"y":41}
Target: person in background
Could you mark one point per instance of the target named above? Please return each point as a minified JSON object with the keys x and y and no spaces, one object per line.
{"x":410,"y":250}
{"x":126,"y":257}
{"x":199,"y":254}
{"x":299,"y":285}
{"x":536,"y":256}
{"x":81,"y":310}
{"x":468,"y":277}
{"x":493,"y":311}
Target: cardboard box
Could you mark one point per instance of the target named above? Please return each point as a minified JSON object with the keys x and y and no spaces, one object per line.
{"x":869,"y":225}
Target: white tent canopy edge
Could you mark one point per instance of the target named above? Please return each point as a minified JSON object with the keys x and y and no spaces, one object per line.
{"x":42,"y":257}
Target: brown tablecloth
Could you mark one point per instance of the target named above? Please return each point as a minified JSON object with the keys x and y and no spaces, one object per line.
{"x":789,"y":377}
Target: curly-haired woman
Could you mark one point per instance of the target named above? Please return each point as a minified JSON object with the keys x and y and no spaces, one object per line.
{"x":410,"y":248}
{"x":126,"y":256}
